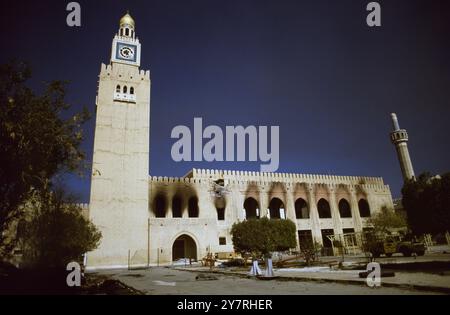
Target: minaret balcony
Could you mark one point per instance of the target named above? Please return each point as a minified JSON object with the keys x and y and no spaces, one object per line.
{"x":125,"y":97}
{"x":399,"y":136}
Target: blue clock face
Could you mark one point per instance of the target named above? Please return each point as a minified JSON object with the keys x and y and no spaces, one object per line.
{"x":126,"y":52}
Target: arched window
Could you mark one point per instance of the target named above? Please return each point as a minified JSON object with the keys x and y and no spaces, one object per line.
{"x":118,"y":89}
{"x":125,"y":89}
{"x":221,"y":204}
{"x":221,"y":214}
{"x":344,"y":209}
{"x":276,"y":206}
{"x":193,"y":207}
{"x":364,"y":209}
{"x":251,"y":208}
{"x":301,"y":209}
{"x":131,"y":90}
{"x":127,"y":32}
{"x":177,"y":207}
{"x":323,"y":208}
{"x":160,"y":206}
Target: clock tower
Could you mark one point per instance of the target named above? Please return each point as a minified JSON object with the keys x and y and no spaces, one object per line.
{"x":126,"y":48}
{"x":120,"y":168}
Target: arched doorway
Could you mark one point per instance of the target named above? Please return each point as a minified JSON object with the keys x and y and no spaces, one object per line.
{"x":184,"y":247}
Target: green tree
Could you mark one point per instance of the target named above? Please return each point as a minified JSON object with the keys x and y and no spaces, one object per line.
{"x":54,"y":231}
{"x":384,"y":223}
{"x":311,"y":250}
{"x":37,"y":142}
{"x":387,"y":220}
{"x":427,"y":203}
{"x":261,"y":237}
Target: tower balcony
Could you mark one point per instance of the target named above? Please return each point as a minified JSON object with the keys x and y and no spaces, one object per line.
{"x":125,"y":97}
{"x":399,"y":136}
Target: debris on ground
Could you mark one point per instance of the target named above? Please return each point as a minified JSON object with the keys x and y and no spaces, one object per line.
{"x":205,"y":277}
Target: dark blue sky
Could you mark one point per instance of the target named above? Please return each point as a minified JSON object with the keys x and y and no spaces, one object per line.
{"x":312,"y":67}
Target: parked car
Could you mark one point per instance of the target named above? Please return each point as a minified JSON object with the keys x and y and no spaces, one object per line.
{"x":396,"y":244}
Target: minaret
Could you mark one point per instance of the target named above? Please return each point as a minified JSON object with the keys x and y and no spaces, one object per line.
{"x":399,"y":138}
{"x":120,"y":168}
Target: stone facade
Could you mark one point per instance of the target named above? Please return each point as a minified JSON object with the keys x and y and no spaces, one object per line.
{"x":119,"y":184}
{"x":208,"y":227}
{"x":155,"y":220}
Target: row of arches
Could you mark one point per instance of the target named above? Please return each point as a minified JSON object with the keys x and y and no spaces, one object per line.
{"x":179,"y":205}
{"x":251,"y":208}
{"x":302,"y":211}
{"x":276,"y":209}
{"x":124,"y":90}
{"x":345,"y":210}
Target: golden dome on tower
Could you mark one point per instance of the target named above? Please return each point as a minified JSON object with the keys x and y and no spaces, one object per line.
{"x":127,"y":20}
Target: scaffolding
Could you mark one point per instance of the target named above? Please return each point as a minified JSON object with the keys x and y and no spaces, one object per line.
{"x":350,"y":244}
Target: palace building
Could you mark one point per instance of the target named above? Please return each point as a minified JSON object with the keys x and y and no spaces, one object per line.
{"x":148,"y":221}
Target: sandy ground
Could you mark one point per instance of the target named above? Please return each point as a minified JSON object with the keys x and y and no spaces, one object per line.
{"x":162,"y":281}
{"x":401,"y":278}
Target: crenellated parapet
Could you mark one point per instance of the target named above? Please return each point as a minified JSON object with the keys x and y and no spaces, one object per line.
{"x":263,"y":187}
{"x":245,"y":178}
{"x":171,"y":180}
{"x":130,"y":72}
{"x":284,"y":177}
{"x":264,"y":181}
